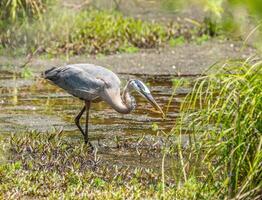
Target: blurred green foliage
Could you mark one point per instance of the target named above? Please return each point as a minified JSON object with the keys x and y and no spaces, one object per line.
{"x":60,"y":30}
{"x":26,"y":25}
{"x":172,"y":5}
{"x":177,"y":41}
{"x":202,"y":39}
{"x":237,"y":18}
{"x":219,"y":7}
{"x":105,"y":32}
{"x":12,"y":10}
{"x":16,"y":12}
{"x":91,"y":31}
{"x":27,"y":73}
{"x":254,"y":7}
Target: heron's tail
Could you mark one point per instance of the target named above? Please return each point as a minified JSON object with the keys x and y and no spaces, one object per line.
{"x":50,"y":74}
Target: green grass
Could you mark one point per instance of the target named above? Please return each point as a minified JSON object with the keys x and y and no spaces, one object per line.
{"x":20,"y":183}
{"x":26,"y":25}
{"x":56,"y":30}
{"x":177,"y":41}
{"x":12,"y":10}
{"x":62,"y":31}
{"x":48,"y":165}
{"x":223,"y":116}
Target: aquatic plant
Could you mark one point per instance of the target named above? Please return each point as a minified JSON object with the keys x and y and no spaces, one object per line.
{"x":57,"y":30}
{"x":63,"y":31}
{"x":48,"y":165}
{"x":13,"y":9}
{"x":223,"y":116}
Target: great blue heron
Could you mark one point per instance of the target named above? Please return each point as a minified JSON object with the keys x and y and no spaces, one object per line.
{"x":93,"y":83}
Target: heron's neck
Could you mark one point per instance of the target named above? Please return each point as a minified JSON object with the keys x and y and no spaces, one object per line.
{"x":121,"y":103}
{"x":127,"y":99}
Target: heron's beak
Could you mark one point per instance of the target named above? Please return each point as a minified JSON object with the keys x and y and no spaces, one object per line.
{"x":152,"y":101}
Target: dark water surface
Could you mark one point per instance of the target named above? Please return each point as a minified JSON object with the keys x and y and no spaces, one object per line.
{"x":34,"y":104}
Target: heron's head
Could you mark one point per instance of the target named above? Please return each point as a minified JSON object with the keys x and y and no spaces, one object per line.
{"x":143,"y":90}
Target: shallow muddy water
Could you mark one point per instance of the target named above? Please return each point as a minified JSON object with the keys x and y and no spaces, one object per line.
{"x":35,"y":104}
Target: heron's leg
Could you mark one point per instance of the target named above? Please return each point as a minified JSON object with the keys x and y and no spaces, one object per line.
{"x":87,"y":106}
{"x":77,"y":120}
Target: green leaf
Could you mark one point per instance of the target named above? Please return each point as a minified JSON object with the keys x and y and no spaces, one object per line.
{"x":177,"y":41}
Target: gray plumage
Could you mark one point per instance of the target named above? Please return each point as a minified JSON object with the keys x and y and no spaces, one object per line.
{"x":93,"y":83}
{"x":85,"y":81}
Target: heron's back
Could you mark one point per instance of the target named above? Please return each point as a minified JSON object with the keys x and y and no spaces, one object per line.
{"x":85,"y":81}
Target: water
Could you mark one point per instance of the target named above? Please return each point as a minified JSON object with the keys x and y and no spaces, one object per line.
{"x":35,"y":104}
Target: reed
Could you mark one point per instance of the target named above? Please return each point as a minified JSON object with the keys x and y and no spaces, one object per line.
{"x":223,"y":115}
{"x":12,"y":9}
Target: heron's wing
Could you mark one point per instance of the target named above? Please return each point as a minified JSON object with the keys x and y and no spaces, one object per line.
{"x":102,"y":73}
{"x":77,"y":82}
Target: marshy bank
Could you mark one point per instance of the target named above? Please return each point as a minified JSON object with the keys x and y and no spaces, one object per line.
{"x":40,"y":118}
{"x":209,"y":146}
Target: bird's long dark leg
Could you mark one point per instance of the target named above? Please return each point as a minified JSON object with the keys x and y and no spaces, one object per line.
{"x":87,"y":106}
{"x":77,"y":120}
